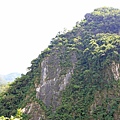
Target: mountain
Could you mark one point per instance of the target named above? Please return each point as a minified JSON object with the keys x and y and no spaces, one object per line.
{"x":76,"y":78}
{"x":10,"y":77}
{"x":5,"y":79}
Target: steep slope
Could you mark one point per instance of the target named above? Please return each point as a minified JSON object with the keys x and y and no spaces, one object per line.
{"x":76,"y":78}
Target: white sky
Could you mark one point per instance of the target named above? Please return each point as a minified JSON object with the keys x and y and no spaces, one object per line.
{"x":27,"y":27}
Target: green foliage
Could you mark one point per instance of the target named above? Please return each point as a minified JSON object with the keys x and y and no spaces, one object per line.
{"x":98,"y":46}
{"x":4,"y":87}
{"x":18,"y":116}
{"x":95,"y":41}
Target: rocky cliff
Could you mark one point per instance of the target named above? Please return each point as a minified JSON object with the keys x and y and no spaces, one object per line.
{"x":76,"y":78}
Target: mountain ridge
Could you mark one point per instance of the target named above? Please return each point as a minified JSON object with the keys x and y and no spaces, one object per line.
{"x":10,"y":77}
{"x":77,"y":77}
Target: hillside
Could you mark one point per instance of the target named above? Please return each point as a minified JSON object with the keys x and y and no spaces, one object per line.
{"x":5,"y":79}
{"x":76,"y":78}
{"x":11,"y":77}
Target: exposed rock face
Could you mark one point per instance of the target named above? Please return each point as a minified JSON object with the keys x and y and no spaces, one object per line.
{"x":53,"y":79}
{"x":115,"y":69}
{"x":35,"y":111}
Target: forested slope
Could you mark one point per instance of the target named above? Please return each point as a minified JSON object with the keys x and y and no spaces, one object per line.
{"x":76,"y":78}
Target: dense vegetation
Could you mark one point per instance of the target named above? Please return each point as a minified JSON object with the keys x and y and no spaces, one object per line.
{"x":18,"y":116}
{"x":80,"y":94}
{"x":96,"y":43}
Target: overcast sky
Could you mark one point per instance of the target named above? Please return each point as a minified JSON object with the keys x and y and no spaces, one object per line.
{"x":27,"y":27}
